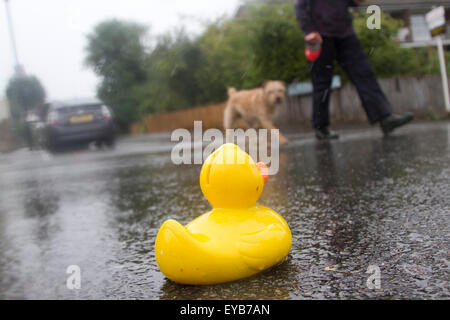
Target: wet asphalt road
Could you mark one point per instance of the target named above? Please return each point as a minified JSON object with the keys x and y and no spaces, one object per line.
{"x":363,"y":200}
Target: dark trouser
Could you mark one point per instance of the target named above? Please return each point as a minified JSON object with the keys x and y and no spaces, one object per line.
{"x":350,"y":55}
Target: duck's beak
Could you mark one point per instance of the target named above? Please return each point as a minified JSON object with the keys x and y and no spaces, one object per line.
{"x":264,"y":170}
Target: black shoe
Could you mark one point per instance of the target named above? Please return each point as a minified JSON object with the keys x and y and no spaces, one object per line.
{"x":326,"y":134}
{"x":393,"y":121}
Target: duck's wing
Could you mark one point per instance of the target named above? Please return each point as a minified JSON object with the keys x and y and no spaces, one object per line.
{"x":264,"y":248}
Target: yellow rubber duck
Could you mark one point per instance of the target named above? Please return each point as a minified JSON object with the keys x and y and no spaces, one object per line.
{"x":237,"y":238}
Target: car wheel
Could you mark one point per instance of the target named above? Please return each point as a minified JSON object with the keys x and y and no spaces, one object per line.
{"x":98,"y":144}
{"x":110,"y":142}
{"x":52,"y":148}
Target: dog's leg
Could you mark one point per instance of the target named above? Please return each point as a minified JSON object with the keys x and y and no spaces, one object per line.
{"x":229,"y":117}
{"x":266,"y":123}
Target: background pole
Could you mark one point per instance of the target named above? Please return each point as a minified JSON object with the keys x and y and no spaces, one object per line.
{"x":440,"y":47}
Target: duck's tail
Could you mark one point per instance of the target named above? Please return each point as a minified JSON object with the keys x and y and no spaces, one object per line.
{"x":177,"y":253}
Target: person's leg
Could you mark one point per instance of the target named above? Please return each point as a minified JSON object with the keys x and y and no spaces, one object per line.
{"x":321,"y":76}
{"x":356,"y":64}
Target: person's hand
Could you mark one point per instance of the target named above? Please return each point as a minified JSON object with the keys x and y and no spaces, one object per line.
{"x":313,"y":38}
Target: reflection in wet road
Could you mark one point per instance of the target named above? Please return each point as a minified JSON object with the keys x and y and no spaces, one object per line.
{"x":360,"y":201}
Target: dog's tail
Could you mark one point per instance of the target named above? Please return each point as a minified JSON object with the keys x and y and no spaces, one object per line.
{"x":231,"y":91}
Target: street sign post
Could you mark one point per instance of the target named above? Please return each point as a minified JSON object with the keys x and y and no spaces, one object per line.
{"x":436,"y":23}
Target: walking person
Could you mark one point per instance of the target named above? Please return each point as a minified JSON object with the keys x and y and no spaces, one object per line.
{"x":329,"y":23}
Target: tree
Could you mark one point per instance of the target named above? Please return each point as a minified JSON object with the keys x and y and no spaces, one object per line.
{"x":227,"y":59}
{"x":264,"y":43}
{"x":171,"y":68}
{"x":181,"y":58}
{"x":116,"y":53}
{"x":387,"y":57}
{"x":24,"y":93}
{"x":277,"y":43}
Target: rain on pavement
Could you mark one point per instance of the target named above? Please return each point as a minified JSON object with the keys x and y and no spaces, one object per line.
{"x":362,"y":200}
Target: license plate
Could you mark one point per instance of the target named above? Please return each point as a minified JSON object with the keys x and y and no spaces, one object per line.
{"x":83,"y":118}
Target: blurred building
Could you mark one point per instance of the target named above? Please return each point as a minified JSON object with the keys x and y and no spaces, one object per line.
{"x":412,"y":12}
{"x":4,"y":109}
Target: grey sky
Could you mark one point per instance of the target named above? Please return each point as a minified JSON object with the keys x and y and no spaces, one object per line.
{"x":51,"y":34}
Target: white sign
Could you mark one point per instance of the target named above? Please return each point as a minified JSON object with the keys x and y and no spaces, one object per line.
{"x":436,"y":20}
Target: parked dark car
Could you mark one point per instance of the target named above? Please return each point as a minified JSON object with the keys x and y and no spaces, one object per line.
{"x":78,"y":121}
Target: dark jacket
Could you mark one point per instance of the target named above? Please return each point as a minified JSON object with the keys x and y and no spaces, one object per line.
{"x":328,"y":17}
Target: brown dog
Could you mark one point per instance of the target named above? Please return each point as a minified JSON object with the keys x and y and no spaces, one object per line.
{"x":255,"y":106}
